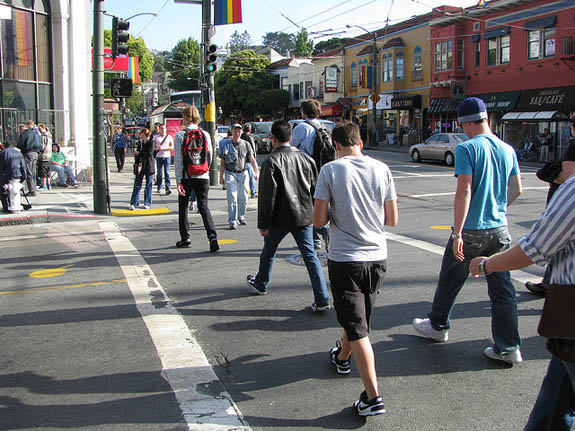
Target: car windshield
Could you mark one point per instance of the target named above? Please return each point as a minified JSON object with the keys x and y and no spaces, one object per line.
{"x":223,"y":129}
{"x":460,"y":137}
{"x":263,"y":128}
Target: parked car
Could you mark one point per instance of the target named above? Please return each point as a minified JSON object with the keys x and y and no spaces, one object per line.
{"x":262,"y":134}
{"x":329,"y":125}
{"x":440,"y":146}
{"x":221,"y":131}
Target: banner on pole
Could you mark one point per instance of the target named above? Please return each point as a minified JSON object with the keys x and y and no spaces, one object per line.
{"x":227,"y":12}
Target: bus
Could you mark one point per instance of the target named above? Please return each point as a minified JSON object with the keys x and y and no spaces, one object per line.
{"x":193,"y":97}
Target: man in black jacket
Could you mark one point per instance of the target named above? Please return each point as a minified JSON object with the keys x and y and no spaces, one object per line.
{"x":13,"y":171}
{"x":285,"y":205}
{"x":30,"y":143}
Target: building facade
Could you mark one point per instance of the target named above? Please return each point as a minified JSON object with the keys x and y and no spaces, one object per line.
{"x":329,"y":83}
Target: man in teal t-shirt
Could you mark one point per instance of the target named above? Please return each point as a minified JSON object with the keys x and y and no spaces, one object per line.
{"x":488,"y":182}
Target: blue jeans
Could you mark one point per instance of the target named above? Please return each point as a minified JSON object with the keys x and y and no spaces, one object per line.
{"x":253,"y":188}
{"x":63,"y":172}
{"x":303,"y":239}
{"x":237,"y":195}
{"x":163,"y":162}
{"x":135,"y":200}
{"x":504,"y":325}
{"x":554,"y":409}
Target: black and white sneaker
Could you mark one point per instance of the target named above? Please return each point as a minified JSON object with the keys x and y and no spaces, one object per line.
{"x":343,"y":367}
{"x":251,"y":282}
{"x":373,"y":407}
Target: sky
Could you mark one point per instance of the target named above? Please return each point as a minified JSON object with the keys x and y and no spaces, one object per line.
{"x":322,"y":18}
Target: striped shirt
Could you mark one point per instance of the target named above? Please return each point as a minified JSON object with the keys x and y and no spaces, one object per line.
{"x":552,"y":237}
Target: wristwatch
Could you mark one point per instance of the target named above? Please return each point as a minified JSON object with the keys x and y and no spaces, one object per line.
{"x":481,"y":267}
{"x":454,"y":235}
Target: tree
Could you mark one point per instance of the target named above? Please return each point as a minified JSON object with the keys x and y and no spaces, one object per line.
{"x":240,"y":42}
{"x":303,"y":46}
{"x":281,"y":42}
{"x":134,"y":103}
{"x":273,"y":102}
{"x":137,"y":48}
{"x":240,"y":82}
{"x":327,"y":45}
{"x":184,"y":65}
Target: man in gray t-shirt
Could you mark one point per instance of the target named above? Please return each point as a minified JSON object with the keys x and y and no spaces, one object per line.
{"x":357,"y":195}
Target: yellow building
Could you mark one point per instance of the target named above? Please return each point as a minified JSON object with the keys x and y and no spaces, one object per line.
{"x":402,"y":77}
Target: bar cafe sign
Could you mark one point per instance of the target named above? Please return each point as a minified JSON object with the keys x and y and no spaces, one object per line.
{"x":549,"y":99}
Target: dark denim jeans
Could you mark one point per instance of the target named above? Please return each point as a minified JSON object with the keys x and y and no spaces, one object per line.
{"x":504,"y":325}
{"x":135,"y":199}
{"x":200,"y":188}
{"x":554,"y":409}
{"x":163,"y":171}
{"x":303,"y":238}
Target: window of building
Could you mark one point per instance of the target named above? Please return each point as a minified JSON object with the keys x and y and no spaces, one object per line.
{"x":387,"y":67}
{"x":568,"y":46}
{"x":460,"y":54}
{"x":295,"y":91}
{"x":477,"y":53}
{"x":399,"y":66}
{"x":417,"y":64}
{"x":353,"y":70}
{"x":541,"y":43}
{"x":476,"y":26}
{"x":443,"y":56}
{"x":498,"y":50}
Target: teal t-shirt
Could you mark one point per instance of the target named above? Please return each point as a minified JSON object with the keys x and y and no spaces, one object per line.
{"x":491,"y":162}
{"x":58,"y":157}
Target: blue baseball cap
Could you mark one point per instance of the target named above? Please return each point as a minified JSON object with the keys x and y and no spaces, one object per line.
{"x":471,"y":109}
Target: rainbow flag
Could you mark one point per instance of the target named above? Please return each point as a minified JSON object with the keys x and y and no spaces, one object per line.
{"x":23,"y":27}
{"x":134,"y":70}
{"x":227,"y":12}
{"x":482,"y":3}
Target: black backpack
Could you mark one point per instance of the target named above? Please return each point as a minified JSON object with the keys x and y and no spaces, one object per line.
{"x":323,"y":148}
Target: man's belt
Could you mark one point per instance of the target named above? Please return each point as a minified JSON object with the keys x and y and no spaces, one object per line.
{"x":235,"y":171}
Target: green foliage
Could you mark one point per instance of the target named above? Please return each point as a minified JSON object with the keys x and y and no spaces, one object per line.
{"x":240,"y":82}
{"x":327,"y":45}
{"x":303,"y":46}
{"x":273,"y":102}
{"x":240,"y":42}
{"x":134,"y":103}
{"x":280,"y":41}
{"x":184,"y":64}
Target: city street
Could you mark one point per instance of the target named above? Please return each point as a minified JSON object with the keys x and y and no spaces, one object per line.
{"x":105,"y":325}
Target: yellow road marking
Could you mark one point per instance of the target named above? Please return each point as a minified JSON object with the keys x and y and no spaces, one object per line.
{"x":441,"y":227}
{"x":52,"y":272}
{"x":151,"y":211}
{"x":227,"y":241}
{"x":71,"y":286}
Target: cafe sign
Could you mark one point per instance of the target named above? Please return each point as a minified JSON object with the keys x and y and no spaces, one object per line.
{"x":331,"y":79}
{"x":549,"y":99}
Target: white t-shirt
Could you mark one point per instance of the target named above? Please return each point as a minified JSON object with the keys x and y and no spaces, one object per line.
{"x":356,"y":188}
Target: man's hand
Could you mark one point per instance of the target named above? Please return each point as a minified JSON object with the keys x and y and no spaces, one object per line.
{"x":181,"y":190}
{"x":474,"y":266}
{"x":222,"y":180}
{"x":264,"y":232}
{"x":458,"y":249}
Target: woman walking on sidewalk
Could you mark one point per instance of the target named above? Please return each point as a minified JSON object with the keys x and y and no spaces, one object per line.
{"x":144,"y":166}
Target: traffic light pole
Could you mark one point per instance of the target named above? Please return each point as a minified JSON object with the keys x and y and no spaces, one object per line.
{"x":99,"y":150}
{"x":210,"y":104}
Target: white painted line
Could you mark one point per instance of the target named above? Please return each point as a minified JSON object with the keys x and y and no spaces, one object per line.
{"x":517,"y":275}
{"x":431,"y":194}
{"x":184,"y":363}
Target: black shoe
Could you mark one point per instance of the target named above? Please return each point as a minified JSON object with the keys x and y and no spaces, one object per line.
{"x":64,"y":185}
{"x":168,"y":192}
{"x":373,"y":407}
{"x":343,"y":367}
{"x":539,"y":289}
{"x":214,"y":246}
{"x":251,"y":282}
{"x":243,"y":222}
{"x":32,"y":194}
{"x":184,"y":243}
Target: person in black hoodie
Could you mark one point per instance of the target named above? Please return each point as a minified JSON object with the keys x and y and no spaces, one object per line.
{"x":144,"y":166}
{"x":13,"y":171}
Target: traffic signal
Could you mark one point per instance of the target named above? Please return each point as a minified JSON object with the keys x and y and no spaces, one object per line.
{"x":210,"y":58}
{"x":119,"y":38}
{"x":121,"y":87}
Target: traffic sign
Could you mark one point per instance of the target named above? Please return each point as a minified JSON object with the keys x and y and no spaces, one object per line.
{"x":375,"y":98}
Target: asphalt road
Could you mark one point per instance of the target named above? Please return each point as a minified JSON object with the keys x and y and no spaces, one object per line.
{"x":105,"y":325}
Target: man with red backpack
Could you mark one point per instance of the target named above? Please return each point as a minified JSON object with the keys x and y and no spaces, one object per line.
{"x":192,"y":157}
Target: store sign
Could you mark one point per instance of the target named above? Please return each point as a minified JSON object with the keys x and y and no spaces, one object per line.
{"x":550,"y":99}
{"x":500,"y":102}
{"x":331,"y":79}
{"x":407,"y":102}
{"x":384,"y":102}
{"x":345,"y":102}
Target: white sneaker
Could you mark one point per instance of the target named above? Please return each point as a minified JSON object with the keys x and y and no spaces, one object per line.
{"x":423,"y":326}
{"x":131,"y":207}
{"x":513,"y":357}
{"x":146,"y":207}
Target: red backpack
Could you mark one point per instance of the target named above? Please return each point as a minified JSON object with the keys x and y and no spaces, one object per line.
{"x":196,"y":152}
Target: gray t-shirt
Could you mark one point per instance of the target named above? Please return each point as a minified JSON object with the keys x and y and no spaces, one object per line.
{"x":235,"y":155}
{"x":356,"y":188}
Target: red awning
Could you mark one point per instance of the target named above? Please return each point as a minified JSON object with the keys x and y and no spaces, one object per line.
{"x":331,"y":110}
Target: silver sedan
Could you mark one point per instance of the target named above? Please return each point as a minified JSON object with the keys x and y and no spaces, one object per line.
{"x":440,"y":146}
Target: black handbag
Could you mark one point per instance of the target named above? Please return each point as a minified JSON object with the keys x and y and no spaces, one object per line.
{"x":550,"y":171}
{"x":557,"y":318}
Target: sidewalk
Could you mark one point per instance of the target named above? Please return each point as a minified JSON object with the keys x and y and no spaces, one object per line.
{"x":67,"y":204}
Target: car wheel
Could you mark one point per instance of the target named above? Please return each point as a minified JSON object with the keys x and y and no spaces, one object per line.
{"x":415,"y":156}
{"x":449,"y":159}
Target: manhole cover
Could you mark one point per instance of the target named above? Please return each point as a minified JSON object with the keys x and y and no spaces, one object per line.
{"x":296,"y":259}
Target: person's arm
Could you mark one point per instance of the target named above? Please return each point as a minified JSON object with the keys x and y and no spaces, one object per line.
{"x":513,"y":258}
{"x":222,"y":170}
{"x":391,"y":213}
{"x":460,"y":210}
{"x":321,"y":213}
{"x":255,"y":166}
{"x":514,"y":189}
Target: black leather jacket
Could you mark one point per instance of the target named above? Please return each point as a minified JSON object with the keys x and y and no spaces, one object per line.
{"x":287,"y":183}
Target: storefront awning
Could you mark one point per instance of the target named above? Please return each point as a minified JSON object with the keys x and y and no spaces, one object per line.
{"x":406,"y":102}
{"x":548,"y":21}
{"x":443,"y":105}
{"x":500,"y":102}
{"x":537,"y":116}
{"x":501,"y":31}
{"x":547,"y":99}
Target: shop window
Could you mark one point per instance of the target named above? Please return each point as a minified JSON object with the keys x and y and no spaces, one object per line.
{"x":399,"y":66}
{"x":18,"y":46}
{"x":443,"y":56}
{"x":417,"y":64}
{"x":353,"y":74}
{"x":541,"y":43}
{"x":498,"y":50}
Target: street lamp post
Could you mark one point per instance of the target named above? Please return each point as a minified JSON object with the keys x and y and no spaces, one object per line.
{"x":373,"y":79}
{"x":141,"y":13}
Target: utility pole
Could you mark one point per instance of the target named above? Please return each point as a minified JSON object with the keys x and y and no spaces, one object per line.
{"x":210,"y":103}
{"x":374,"y":86}
{"x":99,"y":150}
